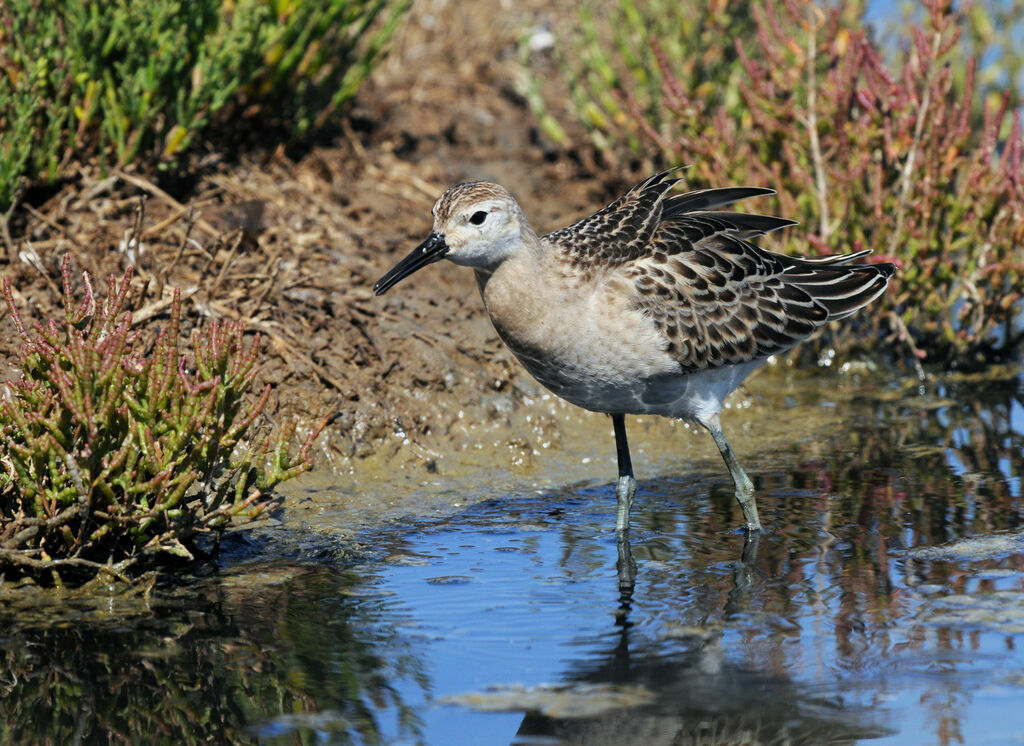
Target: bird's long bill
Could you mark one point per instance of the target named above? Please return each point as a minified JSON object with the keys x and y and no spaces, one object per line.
{"x":428,"y":252}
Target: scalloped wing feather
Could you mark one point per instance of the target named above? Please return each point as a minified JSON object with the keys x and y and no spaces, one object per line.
{"x":716,"y":298}
{"x":719,"y":300}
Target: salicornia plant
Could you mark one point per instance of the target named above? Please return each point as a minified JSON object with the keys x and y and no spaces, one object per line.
{"x":118,"y":455}
{"x":137,"y":81}
{"x":912,"y":149}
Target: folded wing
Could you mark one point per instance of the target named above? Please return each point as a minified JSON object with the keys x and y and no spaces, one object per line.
{"x":720,"y":300}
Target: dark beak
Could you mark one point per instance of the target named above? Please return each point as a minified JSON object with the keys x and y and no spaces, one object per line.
{"x":428,"y":252}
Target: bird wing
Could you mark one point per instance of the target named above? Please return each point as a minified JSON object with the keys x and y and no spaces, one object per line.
{"x":624,"y":231}
{"x":617,"y":233}
{"x":717,"y":298}
{"x":720,"y":300}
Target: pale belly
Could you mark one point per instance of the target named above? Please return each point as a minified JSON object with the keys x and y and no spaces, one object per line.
{"x":625,"y":388}
{"x":619,"y":372}
{"x":592,"y":349}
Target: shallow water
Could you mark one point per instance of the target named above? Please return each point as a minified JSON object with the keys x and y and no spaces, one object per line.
{"x":886,"y":603}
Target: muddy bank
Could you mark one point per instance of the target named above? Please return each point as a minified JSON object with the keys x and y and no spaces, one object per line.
{"x":291,"y":242}
{"x":527,"y":443}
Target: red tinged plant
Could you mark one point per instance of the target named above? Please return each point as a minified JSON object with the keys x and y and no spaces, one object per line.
{"x":902,"y":153}
{"x":117,"y":458}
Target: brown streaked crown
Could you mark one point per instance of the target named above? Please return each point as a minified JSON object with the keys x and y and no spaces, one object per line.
{"x":468,"y":192}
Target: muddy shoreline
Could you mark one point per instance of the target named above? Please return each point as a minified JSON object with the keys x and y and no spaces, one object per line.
{"x":777,"y":421}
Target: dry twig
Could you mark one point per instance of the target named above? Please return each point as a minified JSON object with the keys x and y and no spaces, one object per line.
{"x":148,"y":186}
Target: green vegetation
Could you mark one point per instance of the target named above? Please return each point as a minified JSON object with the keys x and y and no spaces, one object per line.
{"x":116,"y":458}
{"x":909,"y":150}
{"x":131,"y":80}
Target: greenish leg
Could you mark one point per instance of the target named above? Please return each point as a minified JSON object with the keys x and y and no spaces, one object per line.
{"x":625,"y":567}
{"x":744,"y":487}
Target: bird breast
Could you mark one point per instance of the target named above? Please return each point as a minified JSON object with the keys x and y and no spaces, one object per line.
{"x":579,"y":338}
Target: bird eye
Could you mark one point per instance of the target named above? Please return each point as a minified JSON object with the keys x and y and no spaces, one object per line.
{"x":478,"y":217}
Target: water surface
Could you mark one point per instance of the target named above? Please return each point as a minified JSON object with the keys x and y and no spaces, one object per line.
{"x":886,"y":604}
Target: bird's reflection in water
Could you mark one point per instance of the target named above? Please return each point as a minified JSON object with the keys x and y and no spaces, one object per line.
{"x":698,"y":696}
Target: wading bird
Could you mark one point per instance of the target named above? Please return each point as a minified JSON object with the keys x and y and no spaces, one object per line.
{"x":657,"y":304}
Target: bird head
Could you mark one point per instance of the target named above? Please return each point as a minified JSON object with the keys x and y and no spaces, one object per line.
{"x":476,"y":224}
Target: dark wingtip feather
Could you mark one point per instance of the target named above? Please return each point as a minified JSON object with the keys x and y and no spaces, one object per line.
{"x":842,"y":290}
{"x":709,"y":199}
{"x":886,"y":268}
{"x":748,"y":225}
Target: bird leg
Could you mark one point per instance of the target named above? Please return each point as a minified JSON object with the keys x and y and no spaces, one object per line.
{"x":626,"y":487}
{"x":744,"y":487}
